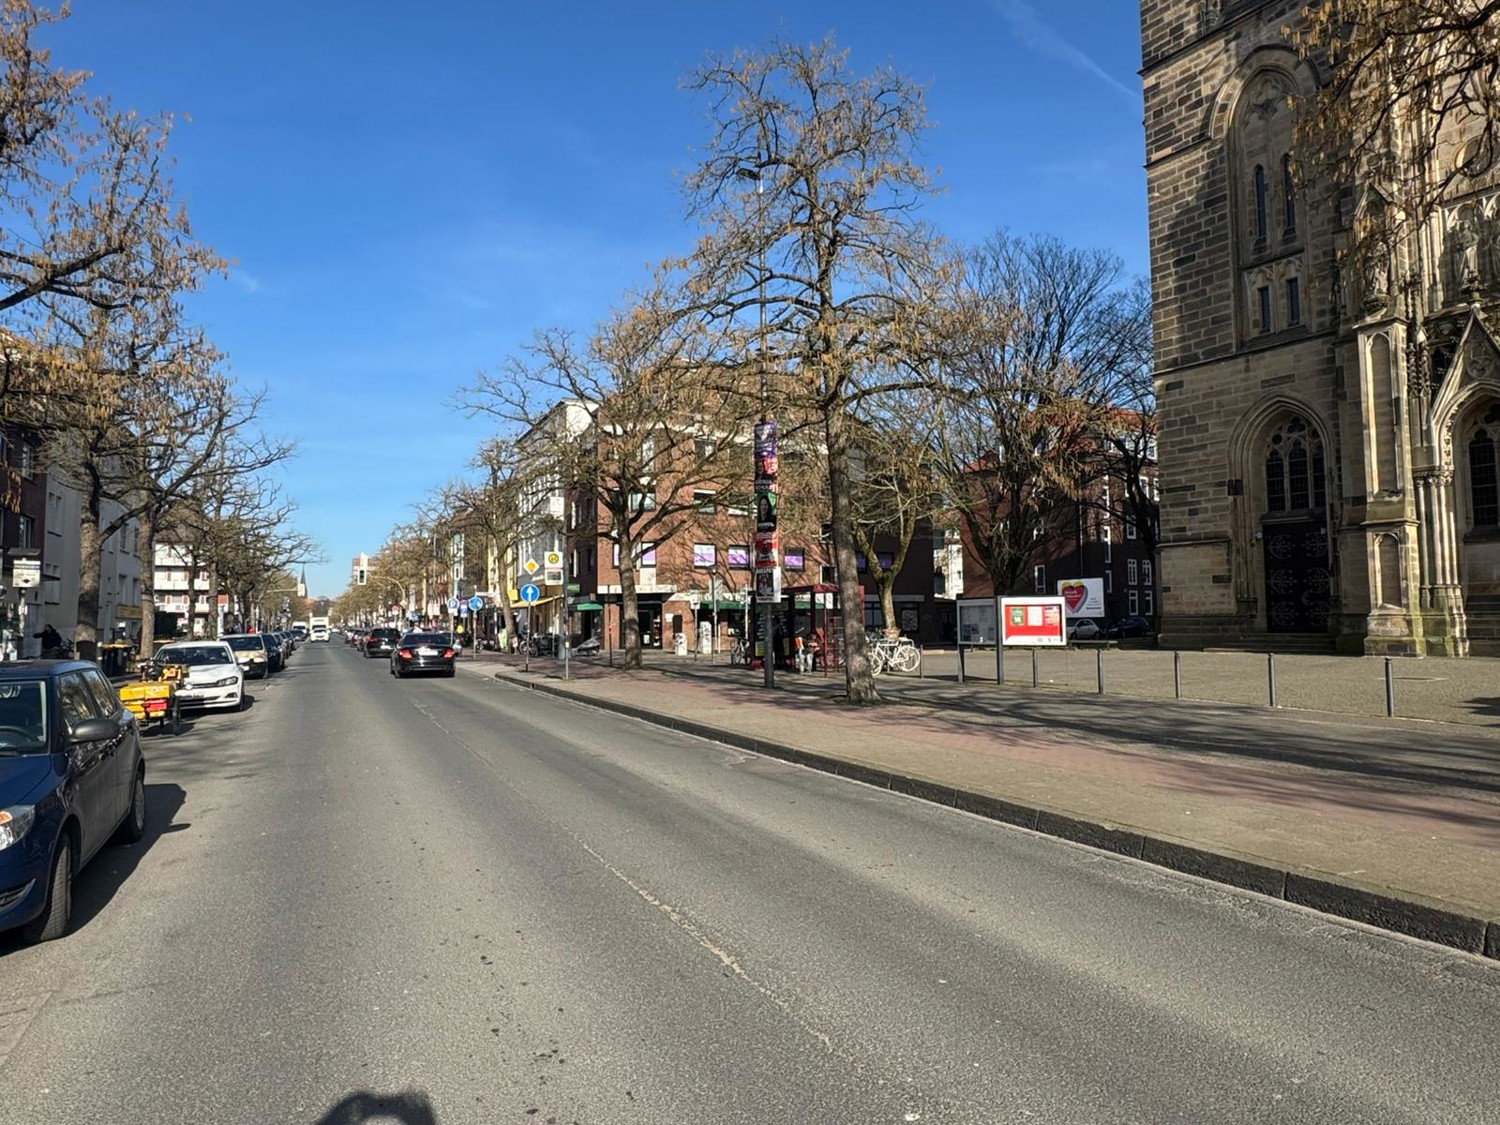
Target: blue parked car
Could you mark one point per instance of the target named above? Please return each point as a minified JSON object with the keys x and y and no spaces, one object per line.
{"x":71,"y":776}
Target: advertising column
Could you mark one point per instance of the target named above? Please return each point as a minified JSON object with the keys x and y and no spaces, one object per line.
{"x":767,"y":548}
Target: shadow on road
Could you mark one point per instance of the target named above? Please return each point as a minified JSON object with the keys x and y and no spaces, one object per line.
{"x":410,"y":1108}
{"x":108,"y":871}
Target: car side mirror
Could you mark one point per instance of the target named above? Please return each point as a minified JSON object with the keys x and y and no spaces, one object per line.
{"x":93,"y":730}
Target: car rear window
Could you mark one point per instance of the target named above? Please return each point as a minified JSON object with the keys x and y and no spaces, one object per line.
{"x":194,"y":655}
{"x":424,"y":639}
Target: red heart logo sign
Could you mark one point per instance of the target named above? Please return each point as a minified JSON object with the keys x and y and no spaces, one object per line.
{"x":1074,"y":594}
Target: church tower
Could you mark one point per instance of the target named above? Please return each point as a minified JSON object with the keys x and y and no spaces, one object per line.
{"x":1327,"y":442}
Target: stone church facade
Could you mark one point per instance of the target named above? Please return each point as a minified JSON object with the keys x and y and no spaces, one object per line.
{"x":1328,"y":443}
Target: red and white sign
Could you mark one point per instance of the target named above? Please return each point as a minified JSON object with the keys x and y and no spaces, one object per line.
{"x":1034,"y":621}
{"x":1084,"y":597}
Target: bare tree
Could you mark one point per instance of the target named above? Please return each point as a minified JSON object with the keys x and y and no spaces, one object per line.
{"x":1409,"y":104}
{"x":824,"y":242}
{"x":662,"y":420}
{"x":1042,"y":341}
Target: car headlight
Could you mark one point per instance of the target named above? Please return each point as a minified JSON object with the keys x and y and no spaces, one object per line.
{"x":225,"y":682}
{"x":15,"y":822}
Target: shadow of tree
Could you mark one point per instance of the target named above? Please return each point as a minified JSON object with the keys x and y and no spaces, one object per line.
{"x":411,"y":1107}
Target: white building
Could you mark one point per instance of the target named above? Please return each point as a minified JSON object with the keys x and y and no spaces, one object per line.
{"x":62,"y":569}
{"x":172,"y":567}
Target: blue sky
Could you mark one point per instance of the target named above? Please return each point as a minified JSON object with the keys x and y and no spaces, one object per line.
{"x":409,"y":191}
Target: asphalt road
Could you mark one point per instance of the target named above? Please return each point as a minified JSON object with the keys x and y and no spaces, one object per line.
{"x":451,"y":901}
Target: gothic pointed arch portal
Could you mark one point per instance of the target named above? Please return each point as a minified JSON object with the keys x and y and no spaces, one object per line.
{"x":1294,"y":529}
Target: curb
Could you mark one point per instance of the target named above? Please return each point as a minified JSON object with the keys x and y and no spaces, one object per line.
{"x":1403,"y":914}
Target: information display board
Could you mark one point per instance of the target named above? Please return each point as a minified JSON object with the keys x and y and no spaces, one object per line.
{"x":976,"y":621}
{"x":1036,"y":622}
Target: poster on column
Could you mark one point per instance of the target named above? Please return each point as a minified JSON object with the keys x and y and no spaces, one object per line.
{"x":768,"y":586}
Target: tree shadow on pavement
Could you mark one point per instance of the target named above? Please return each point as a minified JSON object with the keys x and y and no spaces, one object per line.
{"x":1463,"y":762}
{"x":409,"y":1108}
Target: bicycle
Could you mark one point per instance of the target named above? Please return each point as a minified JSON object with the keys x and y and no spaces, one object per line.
{"x":739,"y":652}
{"x":899,"y":654}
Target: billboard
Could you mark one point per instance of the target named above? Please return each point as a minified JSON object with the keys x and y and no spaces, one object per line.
{"x":976,"y":621}
{"x":1083,"y":597}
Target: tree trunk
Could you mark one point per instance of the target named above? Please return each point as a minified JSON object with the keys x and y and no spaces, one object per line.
{"x":146,"y":543}
{"x":91,"y":565}
{"x":888,"y":601}
{"x":858,"y":676}
{"x":630,"y":626}
{"x":192,"y":591}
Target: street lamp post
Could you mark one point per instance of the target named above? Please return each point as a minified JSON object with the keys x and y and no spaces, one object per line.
{"x":765,"y":480}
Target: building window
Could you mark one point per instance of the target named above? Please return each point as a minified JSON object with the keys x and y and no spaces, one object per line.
{"x":1484,"y":491}
{"x":1145,"y":572}
{"x":1129,"y":527}
{"x":27,"y":466}
{"x":642,"y":501}
{"x":1263,"y":297}
{"x":1131,"y":574}
{"x":1294,"y":469}
{"x":1039,"y":579}
{"x":1260,"y":201}
{"x":703,"y":500}
{"x":647,"y":555}
{"x":26,"y":532}
{"x":1134,"y":600}
{"x":704,"y":555}
{"x":1293,"y":301}
{"x":794,"y":559}
{"x":861,"y":564}
{"x":1109,"y":549}
{"x":704,"y":449}
{"x":1148,"y":602}
{"x":1109,"y":582}
{"x":828,"y":575}
{"x":737,"y":557}
{"x":1288,"y":197}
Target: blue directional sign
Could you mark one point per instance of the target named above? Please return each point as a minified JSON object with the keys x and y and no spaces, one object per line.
{"x":530,"y":593}
{"x":476,"y":603}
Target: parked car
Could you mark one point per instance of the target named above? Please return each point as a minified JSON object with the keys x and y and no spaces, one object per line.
{"x":423,"y":652}
{"x":251,"y":651}
{"x":1084,"y":629}
{"x":1125,"y":627}
{"x":379,"y":642}
{"x":275,"y":654}
{"x":72,"y":775}
{"x":213,"y":680}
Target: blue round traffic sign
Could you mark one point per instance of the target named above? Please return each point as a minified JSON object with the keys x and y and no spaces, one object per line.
{"x":476,"y":603}
{"x":530,"y":593}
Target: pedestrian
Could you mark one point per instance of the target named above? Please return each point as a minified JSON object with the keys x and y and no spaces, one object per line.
{"x":52,"y":642}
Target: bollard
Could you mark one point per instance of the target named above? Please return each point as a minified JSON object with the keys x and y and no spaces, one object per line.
{"x":960,"y":663}
{"x":1099,"y":667}
{"x":1390,"y":690}
{"x":1034,"y":681}
{"x":1177,"y":673}
{"x":921,"y":673}
{"x":1271,"y":676}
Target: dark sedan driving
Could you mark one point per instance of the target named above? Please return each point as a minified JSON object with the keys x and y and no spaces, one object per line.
{"x":422,"y":652}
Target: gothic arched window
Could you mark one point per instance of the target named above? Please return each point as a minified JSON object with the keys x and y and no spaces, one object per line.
{"x":1288,"y":196}
{"x":1484,"y":482}
{"x":1260,"y":201}
{"x":1295,"y":469}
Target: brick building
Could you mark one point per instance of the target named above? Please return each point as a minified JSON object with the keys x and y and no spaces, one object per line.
{"x":1327,"y":443}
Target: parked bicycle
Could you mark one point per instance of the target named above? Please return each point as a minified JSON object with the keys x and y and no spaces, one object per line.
{"x":899,"y":654}
{"x":739,"y":652}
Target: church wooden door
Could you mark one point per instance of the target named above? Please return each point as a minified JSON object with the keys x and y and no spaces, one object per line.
{"x":1297,"y":576}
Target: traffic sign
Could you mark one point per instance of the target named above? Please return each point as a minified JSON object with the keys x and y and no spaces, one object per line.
{"x":530,"y":593}
{"x":552,"y":559}
{"x":452,"y":605}
{"x":476,"y":603}
{"x":531,"y":566}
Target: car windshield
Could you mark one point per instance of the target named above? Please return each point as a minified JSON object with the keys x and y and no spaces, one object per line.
{"x":194,"y":655}
{"x":23,"y":717}
{"x":245,"y":644}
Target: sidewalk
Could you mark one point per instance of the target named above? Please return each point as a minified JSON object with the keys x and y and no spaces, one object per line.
{"x":1392,"y":823}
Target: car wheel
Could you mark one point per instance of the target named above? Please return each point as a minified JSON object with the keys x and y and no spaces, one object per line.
{"x":53,"y":921}
{"x":451,"y":672}
{"x":174,"y":717}
{"x":134,"y":825}
{"x":242,"y":702}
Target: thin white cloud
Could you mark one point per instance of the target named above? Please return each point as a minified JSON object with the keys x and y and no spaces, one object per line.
{"x":246,"y":281}
{"x":1028,"y":27}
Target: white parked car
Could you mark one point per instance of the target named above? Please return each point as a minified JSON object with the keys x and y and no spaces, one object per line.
{"x":214,"y":678}
{"x":1085,"y":629}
